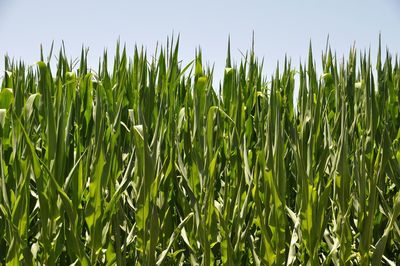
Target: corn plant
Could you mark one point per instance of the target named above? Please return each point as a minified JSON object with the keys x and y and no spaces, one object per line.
{"x":145,"y":162}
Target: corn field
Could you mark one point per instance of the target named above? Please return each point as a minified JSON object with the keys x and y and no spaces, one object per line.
{"x":145,"y":162}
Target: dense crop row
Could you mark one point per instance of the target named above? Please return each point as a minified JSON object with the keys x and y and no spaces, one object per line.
{"x":149,"y":164}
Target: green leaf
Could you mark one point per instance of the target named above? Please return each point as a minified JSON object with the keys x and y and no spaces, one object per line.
{"x":6,"y":98}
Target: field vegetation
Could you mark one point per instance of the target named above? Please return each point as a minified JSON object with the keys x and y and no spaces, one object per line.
{"x":143,"y":161}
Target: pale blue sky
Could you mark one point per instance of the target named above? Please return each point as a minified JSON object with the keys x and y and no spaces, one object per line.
{"x":280,"y":27}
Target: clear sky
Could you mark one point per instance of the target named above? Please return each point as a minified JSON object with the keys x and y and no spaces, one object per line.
{"x":280,"y":27}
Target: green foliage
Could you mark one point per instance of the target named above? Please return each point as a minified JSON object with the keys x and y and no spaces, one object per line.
{"x":147,"y":165}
